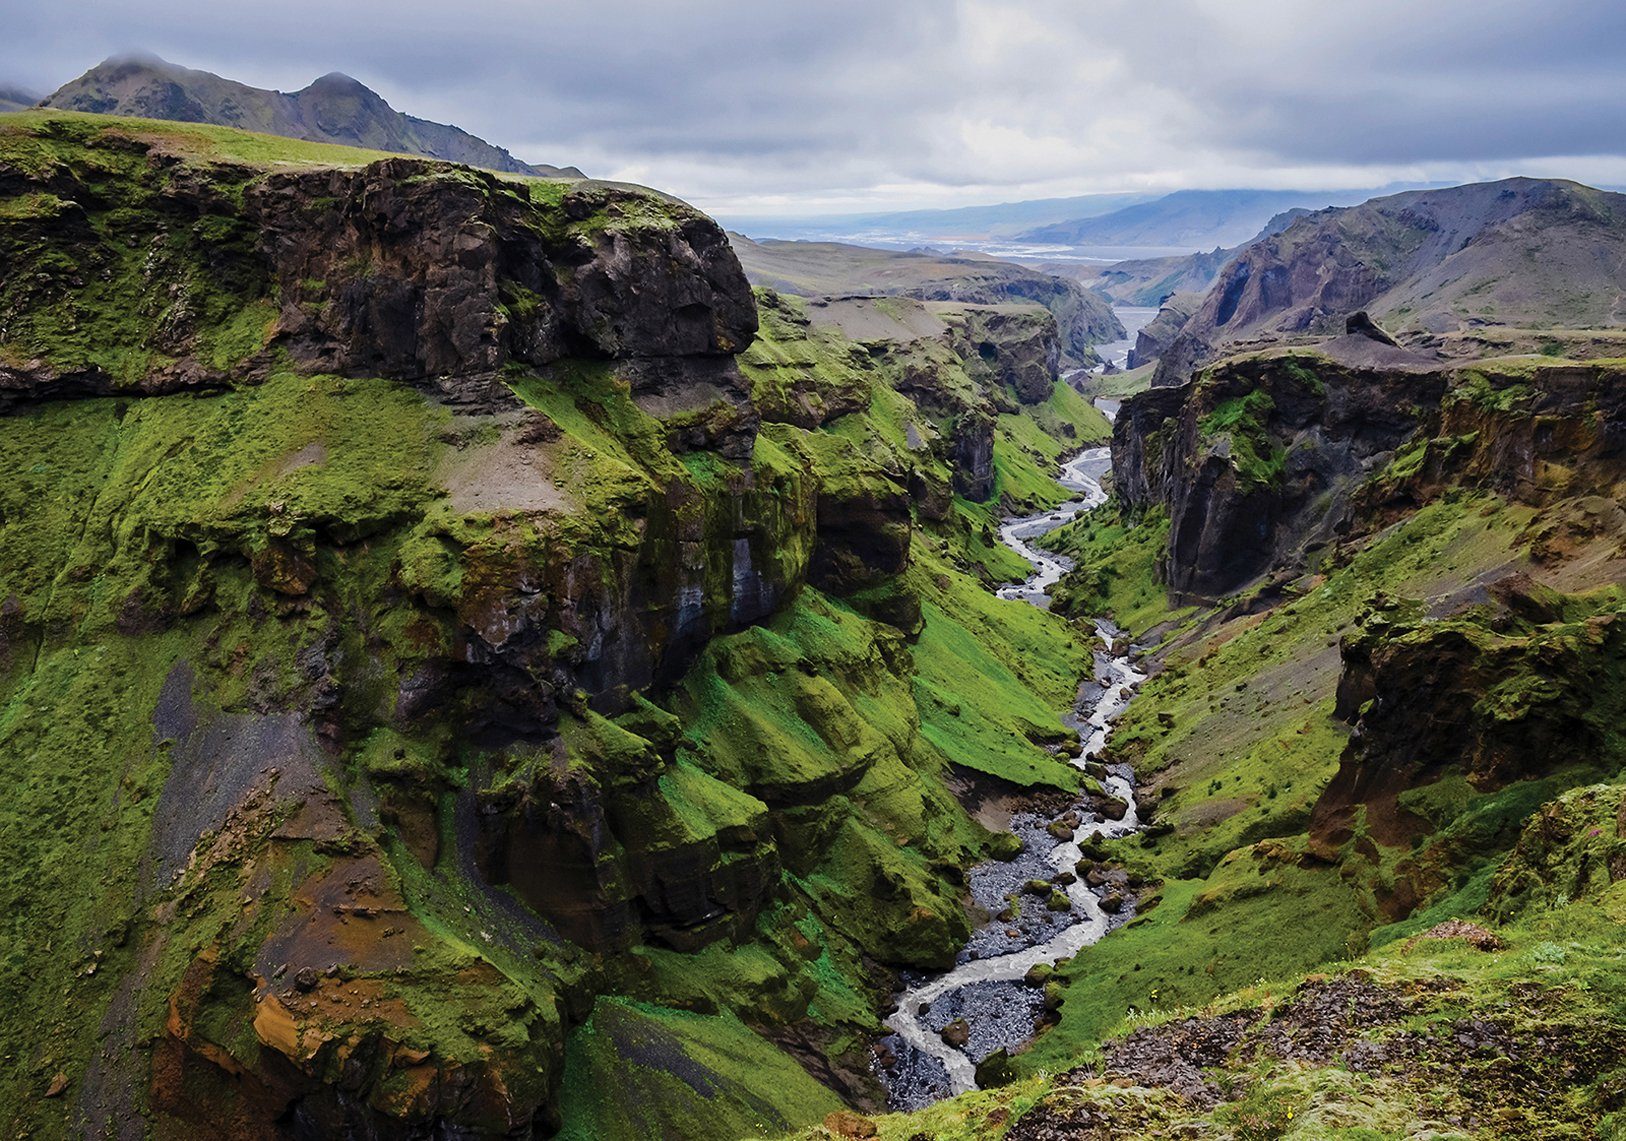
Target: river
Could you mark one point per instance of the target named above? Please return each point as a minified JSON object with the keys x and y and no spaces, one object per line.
{"x":986,"y":987}
{"x":1133,"y":318}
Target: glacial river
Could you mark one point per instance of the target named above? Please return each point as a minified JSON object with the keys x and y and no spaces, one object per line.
{"x":985,"y":988}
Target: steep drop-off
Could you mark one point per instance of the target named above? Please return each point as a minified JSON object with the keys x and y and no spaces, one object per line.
{"x":461,"y":674}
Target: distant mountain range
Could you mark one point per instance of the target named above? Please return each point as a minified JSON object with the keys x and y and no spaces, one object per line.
{"x":1524,"y":252}
{"x":16,"y":99}
{"x":333,"y":109}
{"x":1194,"y":219}
{"x":960,"y":224}
{"x":1515,"y":266}
{"x":1091,"y":226}
{"x":1148,"y":281}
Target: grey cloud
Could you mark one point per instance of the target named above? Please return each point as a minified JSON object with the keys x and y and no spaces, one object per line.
{"x":733,"y":103}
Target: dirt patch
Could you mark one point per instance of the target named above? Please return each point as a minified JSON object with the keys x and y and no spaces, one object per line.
{"x":865,"y":319}
{"x":510,"y":473}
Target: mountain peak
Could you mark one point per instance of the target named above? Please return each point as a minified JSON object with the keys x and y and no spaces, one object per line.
{"x":337,"y":82}
{"x":336,"y":108}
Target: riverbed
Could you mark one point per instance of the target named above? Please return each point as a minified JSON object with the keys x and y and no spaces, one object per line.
{"x":986,"y":989}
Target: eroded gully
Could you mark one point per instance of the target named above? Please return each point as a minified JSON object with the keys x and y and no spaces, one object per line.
{"x":985,"y":999}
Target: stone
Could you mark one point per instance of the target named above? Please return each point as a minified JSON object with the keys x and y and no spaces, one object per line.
{"x":846,"y":1123}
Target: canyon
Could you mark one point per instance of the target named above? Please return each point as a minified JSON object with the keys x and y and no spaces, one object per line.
{"x":475,"y":663}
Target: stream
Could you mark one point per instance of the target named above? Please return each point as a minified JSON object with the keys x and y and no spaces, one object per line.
{"x":986,"y":987}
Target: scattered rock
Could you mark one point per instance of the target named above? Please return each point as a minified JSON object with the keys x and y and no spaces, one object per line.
{"x":1360,"y":323}
{"x":1471,"y":933}
{"x":956,"y":1033}
{"x":58,"y":1086}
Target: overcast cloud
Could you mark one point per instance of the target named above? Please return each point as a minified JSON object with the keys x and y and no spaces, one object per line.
{"x":756,"y":106}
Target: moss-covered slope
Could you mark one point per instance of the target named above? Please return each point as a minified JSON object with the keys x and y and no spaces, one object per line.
{"x":440,"y":676}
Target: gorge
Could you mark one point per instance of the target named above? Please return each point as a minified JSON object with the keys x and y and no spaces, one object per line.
{"x":478,"y":660}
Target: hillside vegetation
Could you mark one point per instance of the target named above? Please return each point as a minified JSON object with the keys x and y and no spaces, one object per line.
{"x":466,"y":663}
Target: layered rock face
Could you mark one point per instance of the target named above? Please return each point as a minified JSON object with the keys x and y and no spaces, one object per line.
{"x":433,"y":610}
{"x":1522,"y":690}
{"x":402,"y":269}
{"x":1254,"y":459}
{"x":1263,"y":458}
{"x":1159,"y":333}
{"x":1017,"y":346}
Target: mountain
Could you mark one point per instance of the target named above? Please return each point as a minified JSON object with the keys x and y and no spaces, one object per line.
{"x":333,"y":109}
{"x":1148,"y":281}
{"x":1433,"y":265}
{"x":1194,"y":219}
{"x":16,"y":99}
{"x":833,"y":269}
{"x":958,"y":224}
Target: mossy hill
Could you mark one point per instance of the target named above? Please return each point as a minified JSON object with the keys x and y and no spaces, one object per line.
{"x":467,"y":665}
{"x":1383,"y":878}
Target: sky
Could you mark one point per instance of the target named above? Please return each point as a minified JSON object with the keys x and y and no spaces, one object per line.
{"x":770,"y":107}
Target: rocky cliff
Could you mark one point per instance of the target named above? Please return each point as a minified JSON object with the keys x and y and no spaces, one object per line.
{"x":1263,"y":459}
{"x":1159,"y":333}
{"x":489,"y":662}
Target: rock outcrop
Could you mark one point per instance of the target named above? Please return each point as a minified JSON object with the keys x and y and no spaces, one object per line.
{"x":1159,"y":333}
{"x":1256,"y":459}
{"x":403,"y":268}
{"x":1261,"y":458}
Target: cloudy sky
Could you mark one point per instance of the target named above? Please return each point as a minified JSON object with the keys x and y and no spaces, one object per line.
{"x":770,"y":106}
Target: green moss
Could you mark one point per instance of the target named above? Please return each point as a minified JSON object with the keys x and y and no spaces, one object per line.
{"x":636,"y":1070}
{"x":1240,"y":423}
{"x":1115,"y":573}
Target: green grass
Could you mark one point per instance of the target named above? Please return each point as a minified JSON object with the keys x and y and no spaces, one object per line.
{"x":1116,"y":571}
{"x":636,"y":1070}
{"x":1566,"y":963}
{"x":1241,"y":421}
{"x":43,"y":136}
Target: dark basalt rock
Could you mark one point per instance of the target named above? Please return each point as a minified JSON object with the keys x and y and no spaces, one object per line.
{"x":1015,"y":347}
{"x":406,"y":268}
{"x":1360,"y":324}
{"x":1244,"y":494}
{"x":1160,"y":333}
{"x":1488,"y":695}
{"x":1250,"y":487}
